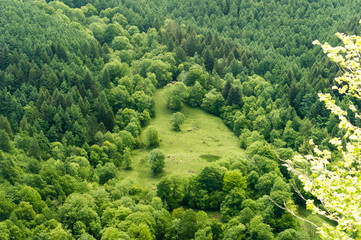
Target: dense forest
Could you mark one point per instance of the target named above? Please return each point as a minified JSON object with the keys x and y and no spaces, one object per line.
{"x":78,"y":80}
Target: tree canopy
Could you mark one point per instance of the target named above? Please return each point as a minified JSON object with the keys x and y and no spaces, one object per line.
{"x":78,"y":80}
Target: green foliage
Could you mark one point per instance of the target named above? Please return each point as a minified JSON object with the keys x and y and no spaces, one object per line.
{"x":205,"y":233}
{"x":151,"y":137}
{"x":196,"y":95}
{"x":5,"y":141}
{"x":231,"y":205}
{"x":9,"y":169}
{"x":235,"y":230}
{"x":162,"y":72}
{"x":140,"y":231}
{"x":78,"y":80}
{"x":127,"y":160}
{"x":6,"y":206}
{"x":177,"y":120}
{"x":195,"y":74}
{"x":234,"y":179}
{"x":25,"y":211}
{"x":261,"y":231}
{"x":176,"y":94}
{"x":4,"y":232}
{"x":288,"y":234}
{"x":120,"y":43}
{"x":211,"y":178}
{"x":213,"y":102}
{"x":106,"y":172}
{"x":188,"y":225}
{"x":31,"y":196}
{"x":234,"y":97}
{"x":156,"y":161}
{"x":171,"y":191}
{"x":78,"y":213}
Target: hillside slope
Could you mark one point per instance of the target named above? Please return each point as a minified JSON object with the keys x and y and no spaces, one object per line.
{"x":203,"y":139}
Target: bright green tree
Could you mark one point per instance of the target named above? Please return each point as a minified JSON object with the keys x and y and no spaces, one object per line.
{"x":177,"y":120}
{"x":213,"y":102}
{"x":234,"y":179}
{"x":151,"y":137}
{"x":78,"y":212}
{"x":156,"y":161}
{"x":336,"y":182}
{"x":127,"y":160}
{"x":176,"y":94}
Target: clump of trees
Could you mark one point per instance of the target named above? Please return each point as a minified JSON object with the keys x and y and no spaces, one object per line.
{"x":77,"y":82}
{"x":175,"y":95}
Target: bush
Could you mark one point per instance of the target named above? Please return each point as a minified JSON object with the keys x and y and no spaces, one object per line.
{"x":151,"y":137}
{"x":156,"y":161}
{"x":177,"y":120}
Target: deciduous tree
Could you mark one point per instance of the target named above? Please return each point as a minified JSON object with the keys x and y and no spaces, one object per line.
{"x":336,"y":182}
{"x":156,"y":161}
{"x":177,"y":120}
{"x":151,"y":137}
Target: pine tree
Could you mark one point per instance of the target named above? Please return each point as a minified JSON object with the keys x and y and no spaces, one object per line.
{"x":208,"y":59}
{"x":60,"y":51}
{"x":235,"y":97}
{"x":5,"y":141}
{"x":226,"y":89}
{"x":106,"y":79}
{"x":191,"y":45}
{"x":4,"y":58}
{"x":5,"y":125}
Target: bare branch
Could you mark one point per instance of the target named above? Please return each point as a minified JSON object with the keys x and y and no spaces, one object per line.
{"x":297,"y":190}
{"x":291,"y":212}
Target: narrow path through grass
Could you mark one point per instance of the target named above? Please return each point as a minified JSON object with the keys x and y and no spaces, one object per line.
{"x":203,"y":139}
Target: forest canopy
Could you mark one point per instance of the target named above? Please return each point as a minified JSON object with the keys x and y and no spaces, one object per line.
{"x":80,"y":81}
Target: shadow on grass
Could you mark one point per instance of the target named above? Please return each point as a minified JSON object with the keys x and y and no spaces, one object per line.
{"x":210,"y":157}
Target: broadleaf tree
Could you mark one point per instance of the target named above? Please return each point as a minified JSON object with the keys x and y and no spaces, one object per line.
{"x":335,"y":181}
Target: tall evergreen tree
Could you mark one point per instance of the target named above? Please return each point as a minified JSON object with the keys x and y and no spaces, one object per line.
{"x":226,"y":89}
{"x":5,"y":141}
{"x":235,"y":97}
{"x":4,"y":58}
{"x":208,"y":59}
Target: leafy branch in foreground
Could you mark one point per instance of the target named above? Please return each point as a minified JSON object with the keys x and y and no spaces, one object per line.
{"x":336,"y":183}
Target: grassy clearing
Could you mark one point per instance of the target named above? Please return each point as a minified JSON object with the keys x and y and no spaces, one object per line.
{"x":202,"y":140}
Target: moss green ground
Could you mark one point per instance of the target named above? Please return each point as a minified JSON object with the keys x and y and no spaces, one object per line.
{"x":203,"y":138}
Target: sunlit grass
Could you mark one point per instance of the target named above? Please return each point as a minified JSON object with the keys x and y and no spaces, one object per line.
{"x":203,"y":139}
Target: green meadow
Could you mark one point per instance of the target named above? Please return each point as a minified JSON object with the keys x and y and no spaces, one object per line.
{"x":203,"y":139}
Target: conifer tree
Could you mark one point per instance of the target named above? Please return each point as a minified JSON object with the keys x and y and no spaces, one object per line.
{"x":226,"y":89}
{"x":4,"y":58}
{"x":208,"y":59}
{"x":234,"y":97}
{"x":5,"y":141}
